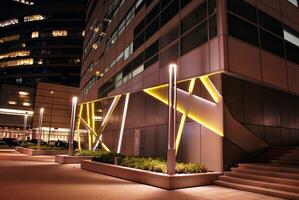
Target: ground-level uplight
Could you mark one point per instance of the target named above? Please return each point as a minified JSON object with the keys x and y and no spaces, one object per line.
{"x":172,"y":99}
{"x":72,"y":127}
{"x":41,"y":116}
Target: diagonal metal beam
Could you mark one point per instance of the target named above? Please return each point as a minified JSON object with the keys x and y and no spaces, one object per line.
{"x":105,"y":121}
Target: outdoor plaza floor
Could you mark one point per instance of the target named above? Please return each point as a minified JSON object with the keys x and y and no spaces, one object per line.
{"x":40,"y":178}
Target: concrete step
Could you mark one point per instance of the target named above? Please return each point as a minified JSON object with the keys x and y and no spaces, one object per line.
{"x":282,"y":157}
{"x":267,"y":173}
{"x":264,"y":178}
{"x":262,"y":184}
{"x":266,"y":191}
{"x":270,"y":167}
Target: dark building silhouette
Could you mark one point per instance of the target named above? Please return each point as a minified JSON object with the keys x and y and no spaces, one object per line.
{"x":41,"y":41}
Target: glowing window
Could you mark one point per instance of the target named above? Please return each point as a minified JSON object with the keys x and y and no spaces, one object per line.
{"x":34,"y":34}
{"x":33,"y":18}
{"x":291,"y":36}
{"x":294,"y":2}
{"x":11,"y":63}
{"x":59,"y":33}
{"x":15,"y":54}
{"x":8,"y":22}
{"x":9,"y":38}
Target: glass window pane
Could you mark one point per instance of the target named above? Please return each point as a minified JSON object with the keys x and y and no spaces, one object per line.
{"x":243,"y":9}
{"x":194,"y":38}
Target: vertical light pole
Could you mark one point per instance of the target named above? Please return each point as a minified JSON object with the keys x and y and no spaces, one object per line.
{"x":72,"y":127}
{"x":25,"y":124}
{"x":172,"y":95}
{"x":41,"y":116}
{"x":50,"y":126}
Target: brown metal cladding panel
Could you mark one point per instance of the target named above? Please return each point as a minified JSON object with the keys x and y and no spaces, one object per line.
{"x":274,"y":70}
{"x":253,"y":104}
{"x":257,"y":129}
{"x":296,"y":104}
{"x":161,"y":140}
{"x":290,"y":11}
{"x":150,"y":114}
{"x":151,"y":80}
{"x":275,"y":4}
{"x":213,"y":159}
{"x":287,"y":136}
{"x":148,"y":141}
{"x":232,"y":89}
{"x":214,"y":55}
{"x":270,"y":8}
{"x":272,"y":136}
{"x":271,"y":105}
{"x":136,"y":113}
{"x":293,"y":74}
{"x":161,"y":113}
{"x":286,"y":111}
{"x":195,"y":62}
{"x":244,"y":59}
{"x":191,"y":142}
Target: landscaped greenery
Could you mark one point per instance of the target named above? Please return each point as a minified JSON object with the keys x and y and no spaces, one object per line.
{"x":149,"y":163}
{"x":90,"y":153}
{"x":43,"y":147}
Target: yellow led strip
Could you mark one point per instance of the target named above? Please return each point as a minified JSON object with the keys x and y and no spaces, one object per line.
{"x":88,"y":123}
{"x":106,"y":118}
{"x":78,"y":127}
{"x":211,"y":88}
{"x":93,"y":132}
{"x":93,"y":120}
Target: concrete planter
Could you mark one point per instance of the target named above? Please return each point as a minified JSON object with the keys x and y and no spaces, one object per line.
{"x":65,"y":159}
{"x":160,"y":180}
{"x":33,"y":152}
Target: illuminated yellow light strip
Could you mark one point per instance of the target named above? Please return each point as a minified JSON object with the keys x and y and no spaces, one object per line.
{"x":180,"y":133}
{"x":123,"y":122}
{"x":183,"y":119}
{"x":78,"y":127}
{"x":211,"y":88}
{"x":106,"y":118}
{"x":93,"y":132}
{"x":200,"y":120}
{"x":88,"y":123}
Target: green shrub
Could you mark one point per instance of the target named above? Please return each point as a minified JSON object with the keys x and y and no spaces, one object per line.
{"x":42,"y":147}
{"x":151,"y":164}
{"x":90,"y":153}
{"x":107,"y":158}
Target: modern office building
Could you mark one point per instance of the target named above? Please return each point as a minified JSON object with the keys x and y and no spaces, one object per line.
{"x":238,"y":77}
{"x":40,"y":61}
{"x":41,"y":41}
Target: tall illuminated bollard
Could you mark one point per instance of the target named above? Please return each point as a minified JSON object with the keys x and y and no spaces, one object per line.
{"x":172,"y":95}
{"x":41,"y":116}
{"x":25,"y":124}
{"x":72,"y":127}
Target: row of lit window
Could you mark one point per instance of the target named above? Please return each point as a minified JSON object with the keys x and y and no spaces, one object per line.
{"x":15,"y":54}
{"x":30,"y":18}
{"x":30,"y":3}
{"x":55,"y":33}
{"x":120,"y":79}
{"x":9,"y":38}
{"x":11,"y":63}
{"x":15,"y":103}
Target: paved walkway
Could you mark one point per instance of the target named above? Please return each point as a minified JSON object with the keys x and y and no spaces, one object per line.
{"x":39,"y":178}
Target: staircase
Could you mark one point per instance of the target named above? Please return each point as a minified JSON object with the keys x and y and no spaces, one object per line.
{"x":276,"y":173}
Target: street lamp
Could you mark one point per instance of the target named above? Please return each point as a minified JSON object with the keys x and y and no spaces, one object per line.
{"x":41,"y":115}
{"x":25,"y":124}
{"x":172,"y":101}
{"x":72,"y":127}
{"x":50,"y":126}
